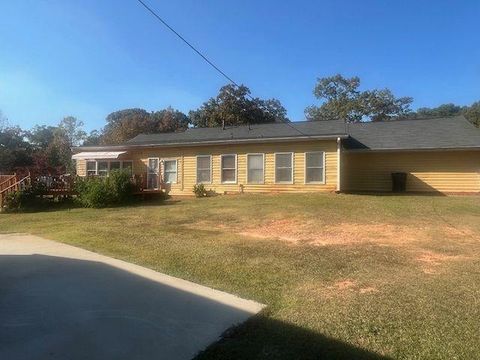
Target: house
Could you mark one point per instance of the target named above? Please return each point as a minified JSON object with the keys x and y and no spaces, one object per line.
{"x":438,"y":155}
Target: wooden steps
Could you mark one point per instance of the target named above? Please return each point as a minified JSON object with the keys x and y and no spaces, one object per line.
{"x":12,"y":184}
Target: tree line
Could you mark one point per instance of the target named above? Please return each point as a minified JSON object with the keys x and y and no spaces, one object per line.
{"x":48,"y":148}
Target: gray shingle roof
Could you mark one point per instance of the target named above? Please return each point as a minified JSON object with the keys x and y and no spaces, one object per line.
{"x":453,"y":132}
{"x":242,"y":133}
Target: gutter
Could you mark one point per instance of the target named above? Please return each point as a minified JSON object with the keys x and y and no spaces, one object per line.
{"x":211,"y":142}
{"x":465,"y":148}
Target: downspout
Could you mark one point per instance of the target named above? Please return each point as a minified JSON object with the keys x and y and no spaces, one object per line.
{"x":183,"y":172}
{"x":339,"y":164}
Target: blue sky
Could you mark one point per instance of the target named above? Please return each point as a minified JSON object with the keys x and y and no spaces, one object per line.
{"x":87,"y":58}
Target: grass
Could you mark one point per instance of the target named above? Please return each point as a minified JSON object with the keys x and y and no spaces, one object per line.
{"x":344,"y":276}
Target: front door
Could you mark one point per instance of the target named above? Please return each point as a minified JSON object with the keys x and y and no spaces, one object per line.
{"x":153,"y":173}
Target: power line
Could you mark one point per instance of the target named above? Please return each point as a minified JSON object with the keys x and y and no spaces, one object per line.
{"x":151,"y":11}
{"x":188,"y":43}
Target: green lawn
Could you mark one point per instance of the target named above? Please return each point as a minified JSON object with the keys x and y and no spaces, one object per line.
{"x":344,"y":276}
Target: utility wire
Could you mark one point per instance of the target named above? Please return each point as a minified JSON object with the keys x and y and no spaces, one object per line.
{"x":188,"y":43}
{"x":199,"y":53}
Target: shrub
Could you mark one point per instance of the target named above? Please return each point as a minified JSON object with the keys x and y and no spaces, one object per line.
{"x":200,"y":191}
{"x":120,"y":185}
{"x":99,"y":192}
{"x":21,"y":200}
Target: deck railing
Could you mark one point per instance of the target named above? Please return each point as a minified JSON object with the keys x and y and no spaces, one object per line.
{"x":11,"y":185}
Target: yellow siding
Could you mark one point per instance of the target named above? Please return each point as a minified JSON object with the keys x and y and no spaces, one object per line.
{"x":433,"y":171}
{"x":187,"y":166}
{"x":81,"y":166}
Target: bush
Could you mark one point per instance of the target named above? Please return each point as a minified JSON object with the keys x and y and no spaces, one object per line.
{"x":97,"y":192}
{"x":21,"y":200}
{"x":200,"y":191}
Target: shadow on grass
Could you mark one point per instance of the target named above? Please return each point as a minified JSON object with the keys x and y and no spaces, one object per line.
{"x":393,"y":194}
{"x":48,"y":205}
{"x":264,"y":338}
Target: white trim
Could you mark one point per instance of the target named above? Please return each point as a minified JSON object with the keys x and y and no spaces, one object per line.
{"x":339,"y":163}
{"x":196,"y":169}
{"x":305,"y":168}
{"x":149,"y":173}
{"x":221,"y":168}
{"x":426,"y":149}
{"x":212,"y":142}
{"x":97,"y":155}
{"x":109,"y":166}
{"x":164,"y":171}
{"x":86,"y":167}
{"x":128,"y":161}
{"x":292,"y":156}
{"x":263,"y":177}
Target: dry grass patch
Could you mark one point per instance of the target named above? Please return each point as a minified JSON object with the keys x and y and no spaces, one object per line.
{"x":308,"y":232}
{"x":431,"y":261}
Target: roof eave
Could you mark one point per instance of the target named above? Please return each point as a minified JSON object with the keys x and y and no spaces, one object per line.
{"x":211,"y":142}
{"x":456,"y":148}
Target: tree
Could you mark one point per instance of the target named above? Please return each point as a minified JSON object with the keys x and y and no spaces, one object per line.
{"x":3,"y":121}
{"x":472,"y":113}
{"x":169,"y":120}
{"x":41,"y":136}
{"x":234,"y":106}
{"x":52,"y":145}
{"x":125,"y":124}
{"x":343,"y":100}
{"x":15,"y":151}
{"x":442,"y":110}
{"x":72,"y":129}
{"x":93,"y":138}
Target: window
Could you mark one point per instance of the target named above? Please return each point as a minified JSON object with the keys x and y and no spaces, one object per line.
{"x":229,"y":168}
{"x":128,"y":165}
{"x":314,"y":167}
{"x":91,"y":168}
{"x":170,"y":171}
{"x":115,"y":165}
{"x":284,"y":167}
{"x":204,"y":169}
{"x":152,"y":173}
{"x":255,"y":163}
{"x":102,"y":168}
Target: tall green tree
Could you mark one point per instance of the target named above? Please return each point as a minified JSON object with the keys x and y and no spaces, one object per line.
{"x":234,"y":106}
{"x":472,"y":112}
{"x":93,"y":138}
{"x":169,"y":120}
{"x":342,"y":99}
{"x":40,"y":136}
{"x":125,"y":124}
{"x":15,"y":150}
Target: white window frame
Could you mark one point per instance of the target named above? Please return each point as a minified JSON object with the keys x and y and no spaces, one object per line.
{"x":263,"y":162}
{"x":292,"y":155}
{"x":86,"y":168}
{"x":110,"y":163}
{"x":165,"y":171}
{"x":158,"y":174}
{"x":127,"y":161}
{"x":196,"y":169}
{"x":108,"y":167}
{"x":221,"y":168}
{"x":305,"y":168}
{"x":107,"y":161}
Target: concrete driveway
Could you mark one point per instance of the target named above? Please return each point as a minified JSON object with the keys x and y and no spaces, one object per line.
{"x":61,"y":302}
